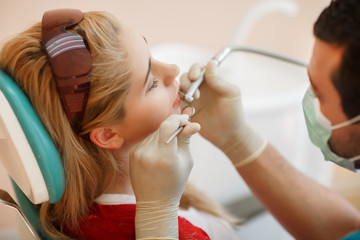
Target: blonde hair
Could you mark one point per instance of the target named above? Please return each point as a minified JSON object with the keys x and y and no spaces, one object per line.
{"x":89,"y":169}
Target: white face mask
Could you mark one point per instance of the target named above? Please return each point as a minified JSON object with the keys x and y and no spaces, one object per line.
{"x":320,"y":129}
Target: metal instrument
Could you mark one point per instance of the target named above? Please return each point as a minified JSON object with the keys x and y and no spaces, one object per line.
{"x":221,"y":56}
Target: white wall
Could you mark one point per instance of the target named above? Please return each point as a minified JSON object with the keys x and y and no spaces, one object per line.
{"x":203,"y":23}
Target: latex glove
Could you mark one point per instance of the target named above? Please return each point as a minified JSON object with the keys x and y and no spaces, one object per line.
{"x":219,"y":111}
{"x":159,"y":173}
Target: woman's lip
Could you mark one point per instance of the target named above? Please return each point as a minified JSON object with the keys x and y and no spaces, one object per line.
{"x":177,"y":101}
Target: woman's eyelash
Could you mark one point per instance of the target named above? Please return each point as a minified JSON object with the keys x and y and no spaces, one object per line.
{"x":154,"y":84}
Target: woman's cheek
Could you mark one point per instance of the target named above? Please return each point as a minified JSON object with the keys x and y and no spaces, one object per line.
{"x":154,"y":121}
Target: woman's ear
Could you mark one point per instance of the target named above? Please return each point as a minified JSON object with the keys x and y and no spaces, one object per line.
{"x":106,"y":138}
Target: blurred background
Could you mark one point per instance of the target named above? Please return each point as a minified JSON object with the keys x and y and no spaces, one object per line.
{"x":189,"y":31}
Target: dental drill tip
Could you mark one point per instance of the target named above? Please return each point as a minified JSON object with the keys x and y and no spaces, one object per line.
{"x":188,"y":98}
{"x":175,"y":134}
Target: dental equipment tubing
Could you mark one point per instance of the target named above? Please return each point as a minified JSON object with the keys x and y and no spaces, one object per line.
{"x":223,"y":53}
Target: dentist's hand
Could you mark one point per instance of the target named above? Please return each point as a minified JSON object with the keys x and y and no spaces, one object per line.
{"x":159,"y":173}
{"x":219,"y":111}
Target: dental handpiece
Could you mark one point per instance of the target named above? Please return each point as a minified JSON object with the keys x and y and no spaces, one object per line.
{"x":218,"y":58}
{"x":221,"y":55}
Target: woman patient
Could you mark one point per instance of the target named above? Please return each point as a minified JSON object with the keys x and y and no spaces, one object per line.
{"x":129,"y":99}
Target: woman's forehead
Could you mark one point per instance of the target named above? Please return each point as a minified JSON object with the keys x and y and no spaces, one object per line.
{"x":138,"y":55}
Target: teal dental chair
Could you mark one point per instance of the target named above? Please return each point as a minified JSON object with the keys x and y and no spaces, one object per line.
{"x":30,"y":158}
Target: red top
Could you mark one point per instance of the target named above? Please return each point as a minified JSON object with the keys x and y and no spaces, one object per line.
{"x":107,"y":222}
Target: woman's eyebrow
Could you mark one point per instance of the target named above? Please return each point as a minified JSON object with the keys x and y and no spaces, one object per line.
{"x":148,"y":72}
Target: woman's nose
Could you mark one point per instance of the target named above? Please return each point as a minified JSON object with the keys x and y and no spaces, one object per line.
{"x":171,"y":71}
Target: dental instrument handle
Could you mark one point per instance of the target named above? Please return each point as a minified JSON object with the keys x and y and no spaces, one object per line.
{"x":180,"y":128}
{"x":221,"y":55}
{"x":194,"y":86}
{"x":218,"y":58}
{"x":175,"y":134}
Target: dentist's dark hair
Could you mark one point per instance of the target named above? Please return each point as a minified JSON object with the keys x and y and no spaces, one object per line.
{"x":339,"y":24}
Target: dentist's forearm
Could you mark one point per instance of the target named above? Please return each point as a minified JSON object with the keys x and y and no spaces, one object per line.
{"x":306,"y":209}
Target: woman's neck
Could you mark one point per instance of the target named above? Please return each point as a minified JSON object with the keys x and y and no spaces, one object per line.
{"x":121,"y":183}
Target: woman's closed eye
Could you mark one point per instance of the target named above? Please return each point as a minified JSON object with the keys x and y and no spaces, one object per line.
{"x":154,"y":84}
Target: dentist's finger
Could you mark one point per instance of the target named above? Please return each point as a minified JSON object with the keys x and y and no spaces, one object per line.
{"x":190,"y":129}
{"x":170,"y":125}
{"x":195,"y":71}
{"x":185,"y":82}
{"x":188,"y":111}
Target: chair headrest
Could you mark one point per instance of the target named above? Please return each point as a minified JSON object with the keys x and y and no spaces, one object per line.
{"x":26,"y":149}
